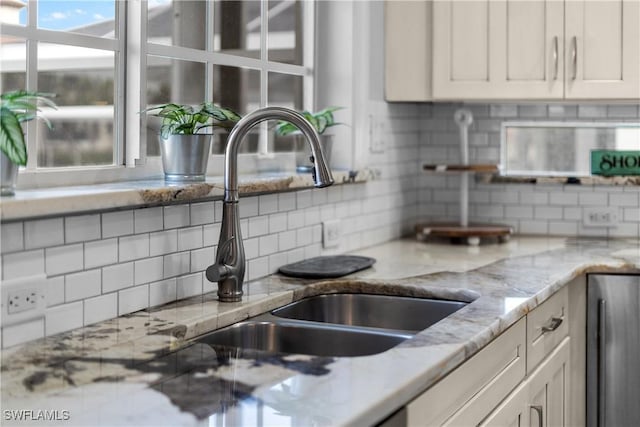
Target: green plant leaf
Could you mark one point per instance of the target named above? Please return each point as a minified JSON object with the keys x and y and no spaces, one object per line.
{"x":11,"y":137}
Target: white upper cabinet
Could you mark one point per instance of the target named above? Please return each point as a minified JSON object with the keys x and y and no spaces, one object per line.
{"x":513,"y":49}
{"x":492,"y":49}
{"x":602,"y":45}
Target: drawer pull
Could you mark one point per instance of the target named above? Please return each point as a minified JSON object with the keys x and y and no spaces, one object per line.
{"x":538,"y":409}
{"x":553,"y":325}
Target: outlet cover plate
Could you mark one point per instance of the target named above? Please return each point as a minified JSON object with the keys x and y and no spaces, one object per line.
{"x":600,"y":217}
{"x":14,"y":293}
{"x":331,"y":233}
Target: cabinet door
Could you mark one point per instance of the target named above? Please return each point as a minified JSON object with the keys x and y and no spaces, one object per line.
{"x":497,"y":49}
{"x":512,"y":412}
{"x":602,"y":45}
{"x":407,"y":38}
{"x":548,"y":388}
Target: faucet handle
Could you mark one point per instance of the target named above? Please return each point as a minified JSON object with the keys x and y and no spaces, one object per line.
{"x":217,"y":272}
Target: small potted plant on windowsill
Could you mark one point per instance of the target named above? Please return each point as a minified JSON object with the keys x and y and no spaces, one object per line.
{"x":321,"y":121}
{"x":184,"y":144}
{"x":17,"y":107}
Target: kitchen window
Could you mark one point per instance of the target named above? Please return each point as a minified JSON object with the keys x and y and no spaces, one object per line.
{"x":106,"y":60}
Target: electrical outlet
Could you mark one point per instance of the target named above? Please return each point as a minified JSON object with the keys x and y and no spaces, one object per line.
{"x":600,"y":217}
{"x":331,"y":231}
{"x":23,"y":299}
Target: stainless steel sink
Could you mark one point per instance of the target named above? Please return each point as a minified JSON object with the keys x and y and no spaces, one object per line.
{"x":281,"y":336}
{"x":335,"y":325}
{"x":374,"y":311}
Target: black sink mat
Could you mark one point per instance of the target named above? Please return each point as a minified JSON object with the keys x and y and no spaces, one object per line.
{"x":323,"y":267}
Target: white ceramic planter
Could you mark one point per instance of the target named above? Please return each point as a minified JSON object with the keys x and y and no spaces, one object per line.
{"x":185,"y":157}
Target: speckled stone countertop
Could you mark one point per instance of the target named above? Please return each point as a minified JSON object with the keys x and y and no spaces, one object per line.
{"x":141,"y":369}
{"x":82,"y":199}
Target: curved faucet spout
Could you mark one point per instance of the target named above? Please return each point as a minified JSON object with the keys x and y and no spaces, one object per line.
{"x":229,"y":268}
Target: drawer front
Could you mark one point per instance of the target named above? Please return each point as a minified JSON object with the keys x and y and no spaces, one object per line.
{"x":547,"y":325}
{"x":480,"y":383}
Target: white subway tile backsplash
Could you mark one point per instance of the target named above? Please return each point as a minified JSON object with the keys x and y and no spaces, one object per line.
{"x":23,"y":264}
{"x":133,"y":247}
{"x":624,"y":199}
{"x":518,"y":212}
{"x":100,"y":253}
{"x":303,"y":199}
{"x":11,"y":237}
{"x":268,"y":244}
{"x":252,"y":248}
{"x":163,"y":242}
{"x":54,"y":291}
{"x":22,"y":333}
{"x":190,"y":238}
{"x":563,"y":228}
{"x":202,"y":213}
{"x":100,"y":308}
{"x":258,"y":226}
{"x":563,"y":198}
{"x":295,"y":255}
{"x":248,"y":207}
{"x":277,"y":222}
{"x":286,"y":201}
{"x":572,"y":213}
{"x":148,"y":219}
{"x":211,"y":234}
{"x":625,"y":230}
{"x":295,"y":219}
{"x":258,"y":267}
{"x":116,"y":277}
{"x":43,"y":233}
{"x":268,"y":204}
{"x":303,"y":237}
{"x":133,"y":299}
{"x":548,"y":212}
{"x":82,"y":228}
{"x":63,"y":318}
{"x":176,"y":216}
{"x":162,"y":292}
{"x":592,"y":199}
{"x":83,"y":285}
{"x":201,"y":259}
{"x":176,"y":264}
{"x":311,"y":215}
{"x":115,"y":224}
{"x":287,"y":240}
{"x":64,"y":259}
{"x":189,"y":286}
{"x":148,"y":270}
{"x":276,"y":261}
{"x":631,"y":214}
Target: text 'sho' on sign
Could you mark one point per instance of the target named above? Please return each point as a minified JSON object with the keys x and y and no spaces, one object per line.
{"x":611,"y":162}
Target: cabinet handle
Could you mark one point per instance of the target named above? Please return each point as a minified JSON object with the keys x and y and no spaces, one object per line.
{"x":555,"y":58}
{"x":554,"y":324}
{"x":574,"y":57}
{"x":538,"y":409}
{"x":602,"y":362}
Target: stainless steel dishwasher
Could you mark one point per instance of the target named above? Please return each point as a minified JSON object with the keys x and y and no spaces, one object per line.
{"x":613,"y":350}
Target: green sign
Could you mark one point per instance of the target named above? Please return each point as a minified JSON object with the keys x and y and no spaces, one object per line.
{"x":612,"y":162}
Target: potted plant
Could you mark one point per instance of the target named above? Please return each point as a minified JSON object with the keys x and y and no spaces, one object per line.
{"x":17,"y":107}
{"x":321,"y":121}
{"x":184,"y":143}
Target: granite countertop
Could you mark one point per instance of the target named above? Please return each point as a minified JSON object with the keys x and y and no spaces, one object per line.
{"x":141,"y":369}
{"x":76,"y":199}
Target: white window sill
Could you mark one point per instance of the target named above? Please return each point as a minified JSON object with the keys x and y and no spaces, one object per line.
{"x":26,"y":204}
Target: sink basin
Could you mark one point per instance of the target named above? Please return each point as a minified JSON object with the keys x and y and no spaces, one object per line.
{"x":282,"y":336}
{"x":374,"y":311}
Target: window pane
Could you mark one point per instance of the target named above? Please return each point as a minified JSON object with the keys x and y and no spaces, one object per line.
{"x":171,"y":80}
{"x":285,"y":31}
{"x":237,"y":27}
{"x":91,"y":17}
{"x":13,"y":63}
{"x":83,"y":126}
{"x":285,"y":90}
{"x":239,"y":89}
{"x":177,"y":23}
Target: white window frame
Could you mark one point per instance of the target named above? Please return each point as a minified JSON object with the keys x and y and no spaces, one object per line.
{"x":131,"y":162}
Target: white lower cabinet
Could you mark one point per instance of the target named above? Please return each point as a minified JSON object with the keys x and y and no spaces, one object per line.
{"x":522,"y":378}
{"x":541,"y":401}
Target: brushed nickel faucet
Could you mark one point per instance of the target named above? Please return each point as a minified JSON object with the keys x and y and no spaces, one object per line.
{"x":229,"y":267}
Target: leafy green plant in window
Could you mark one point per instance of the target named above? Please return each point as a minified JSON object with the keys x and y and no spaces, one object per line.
{"x":181,"y":119}
{"x":17,"y":107}
{"x":320,"y":120}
